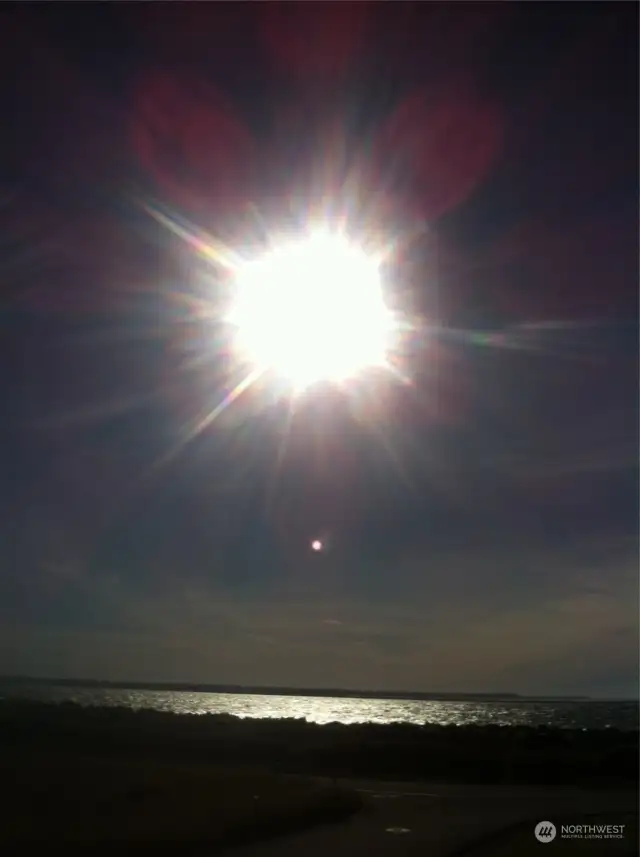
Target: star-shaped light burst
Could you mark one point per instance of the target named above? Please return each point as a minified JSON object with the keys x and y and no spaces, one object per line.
{"x":312,"y":309}
{"x":309,"y":307}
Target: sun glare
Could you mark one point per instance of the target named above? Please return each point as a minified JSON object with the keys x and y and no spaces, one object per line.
{"x":312,"y":311}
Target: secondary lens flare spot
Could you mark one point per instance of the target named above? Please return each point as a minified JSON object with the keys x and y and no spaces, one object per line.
{"x":312,"y":310}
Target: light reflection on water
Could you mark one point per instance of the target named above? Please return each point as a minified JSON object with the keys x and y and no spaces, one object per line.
{"x":622,"y":715}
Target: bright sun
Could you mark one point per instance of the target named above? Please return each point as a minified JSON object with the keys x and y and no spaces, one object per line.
{"x":313,"y":310}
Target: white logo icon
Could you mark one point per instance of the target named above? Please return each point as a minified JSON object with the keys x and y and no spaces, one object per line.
{"x":545,"y":831}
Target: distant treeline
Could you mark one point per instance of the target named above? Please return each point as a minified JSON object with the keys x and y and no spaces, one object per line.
{"x":398,"y":751}
{"x":342,"y":693}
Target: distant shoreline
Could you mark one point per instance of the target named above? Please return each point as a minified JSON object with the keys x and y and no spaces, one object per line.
{"x":338,"y":693}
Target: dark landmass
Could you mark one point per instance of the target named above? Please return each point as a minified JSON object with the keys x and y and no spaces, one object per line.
{"x":340,"y":693}
{"x":106,"y":803}
{"x":464,"y":754}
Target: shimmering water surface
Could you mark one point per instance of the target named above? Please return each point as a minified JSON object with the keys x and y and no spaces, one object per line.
{"x":565,"y":714}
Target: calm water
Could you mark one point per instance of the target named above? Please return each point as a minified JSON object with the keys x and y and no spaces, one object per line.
{"x":587,"y":715}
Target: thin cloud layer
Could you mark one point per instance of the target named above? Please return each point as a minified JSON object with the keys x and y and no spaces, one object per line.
{"x":537,"y":639}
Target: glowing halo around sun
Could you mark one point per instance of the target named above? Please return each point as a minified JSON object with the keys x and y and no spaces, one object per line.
{"x":266,"y":314}
{"x":312,"y":310}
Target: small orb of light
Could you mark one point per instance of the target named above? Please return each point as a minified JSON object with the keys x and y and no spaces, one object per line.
{"x":312,"y":311}
{"x":317,"y":545}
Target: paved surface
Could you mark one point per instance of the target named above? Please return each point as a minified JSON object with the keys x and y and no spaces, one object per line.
{"x":403,"y":820}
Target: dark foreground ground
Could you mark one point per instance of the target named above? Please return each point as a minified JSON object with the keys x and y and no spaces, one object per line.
{"x":420,"y":820}
{"x":102,"y":779}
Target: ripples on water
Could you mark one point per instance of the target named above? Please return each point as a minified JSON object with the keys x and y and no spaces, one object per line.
{"x":586,"y":715}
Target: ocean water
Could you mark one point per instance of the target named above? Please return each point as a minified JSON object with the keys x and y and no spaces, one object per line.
{"x":554,"y":713}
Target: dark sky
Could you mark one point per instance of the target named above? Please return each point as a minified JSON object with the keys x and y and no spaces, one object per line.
{"x":481,"y":521}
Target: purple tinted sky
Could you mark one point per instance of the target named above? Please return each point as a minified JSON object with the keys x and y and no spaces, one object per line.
{"x":482,"y":525}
